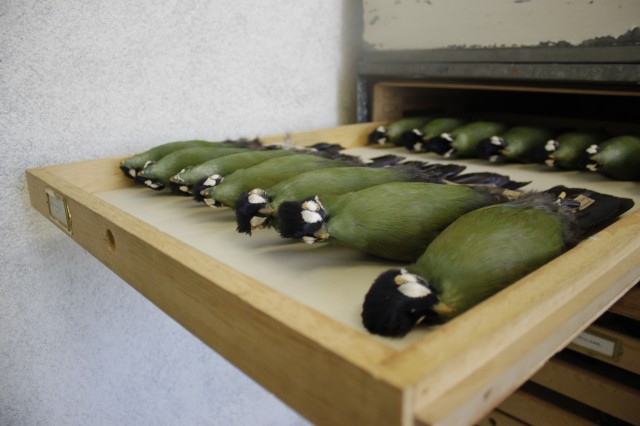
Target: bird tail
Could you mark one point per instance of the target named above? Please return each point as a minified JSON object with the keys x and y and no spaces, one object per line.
{"x":487,"y":179}
{"x":591,"y":210}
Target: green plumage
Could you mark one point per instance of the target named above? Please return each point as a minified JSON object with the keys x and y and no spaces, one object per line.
{"x":482,"y":252}
{"x":322,"y":182}
{"x":158,"y":175}
{"x":396,"y":220}
{"x":392,"y":133}
{"x":415,"y":140}
{"x":489,"y":248}
{"x":132,"y":165}
{"x":462,"y":141}
{"x":523,"y":144}
{"x":568,"y":150}
{"x":226,"y":164}
{"x":618,"y":158}
{"x":265,"y":175}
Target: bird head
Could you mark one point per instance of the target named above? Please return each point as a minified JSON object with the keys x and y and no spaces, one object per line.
{"x":592,"y":164}
{"x":146,"y":177}
{"x":413,"y":140}
{"x":399,"y":300}
{"x":491,"y":149}
{"x":202,"y":187}
{"x":441,"y":145}
{"x":378,"y":136}
{"x":551,"y":147}
{"x":178,"y":184}
{"x":253,"y":210}
{"x":306,"y":219}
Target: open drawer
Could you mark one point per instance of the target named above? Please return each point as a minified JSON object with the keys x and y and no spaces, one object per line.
{"x":287,"y":314}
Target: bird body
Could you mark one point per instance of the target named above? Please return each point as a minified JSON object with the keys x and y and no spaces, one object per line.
{"x":568,"y":150}
{"x":618,"y":158}
{"x":521,"y":144}
{"x":481,"y":253}
{"x":264,"y":175}
{"x":394,"y":220}
{"x":134,"y":164}
{"x":258,"y":208}
{"x":462,"y":141}
{"x":392,"y":133}
{"x":415,"y":139}
{"x":187,"y":178}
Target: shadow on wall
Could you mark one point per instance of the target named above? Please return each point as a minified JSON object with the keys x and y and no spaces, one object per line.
{"x":351,"y":40}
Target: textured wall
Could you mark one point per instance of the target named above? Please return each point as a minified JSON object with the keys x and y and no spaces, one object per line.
{"x":82,"y":80}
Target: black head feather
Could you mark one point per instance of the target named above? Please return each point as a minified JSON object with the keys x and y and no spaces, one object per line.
{"x":388,"y":311}
{"x":378,"y":136}
{"x":438,"y":144}
{"x":253,"y":210}
{"x":490,"y":149}
{"x":293,"y":224}
{"x":413,"y":140}
{"x":203,"y":184}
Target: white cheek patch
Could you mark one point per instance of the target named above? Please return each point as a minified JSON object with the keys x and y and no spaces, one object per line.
{"x":213,"y":180}
{"x":413,"y":289}
{"x":593,"y":149}
{"x":132,"y":173}
{"x":151,"y":184}
{"x":592,"y":167}
{"x":551,"y":162}
{"x":417,"y":146}
{"x":497,"y":140}
{"x":381,"y":129}
{"x":210,"y":202}
{"x":256,"y":199}
{"x":382,"y":140}
{"x":311,"y":206}
{"x":447,"y":136}
{"x":551,"y":145}
{"x":311,"y":217}
{"x":417,"y":132}
{"x":185,"y":188}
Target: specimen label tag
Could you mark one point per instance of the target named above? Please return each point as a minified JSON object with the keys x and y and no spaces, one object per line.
{"x":59,"y":210}
{"x":597,"y":344}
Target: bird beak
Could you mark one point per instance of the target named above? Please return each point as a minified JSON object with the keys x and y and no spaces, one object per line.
{"x":322,"y":234}
{"x":442,"y":309}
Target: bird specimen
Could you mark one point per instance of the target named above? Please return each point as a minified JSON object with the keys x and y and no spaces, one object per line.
{"x":157,"y":175}
{"x":525,"y":144}
{"x":462,"y":141}
{"x":394,"y":220}
{"x":392,"y":133}
{"x":134,"y":164}
{"x":481,"y":253}
{"x":223,"y":191}
{"x":617,"y":158}
{"x":568,"y":150}
{"x":414,"y":140}
{"x":258,"y":207}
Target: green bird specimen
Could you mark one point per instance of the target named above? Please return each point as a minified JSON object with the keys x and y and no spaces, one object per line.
{"x":481,"y":253}
{"x":617,"y":158}
{"x":568,"y":150}
{"x":415,"y":139}
{"x":393,"y":221}
{"x":195,"y":176}
{"x":157,"y":175}
{"x":224,"y":191}
{"x":133,"y":165}
{"x":392,"y":133}
{"x":258,"y":207}
{"x":462,"y":141}
{"x":524,"y":144}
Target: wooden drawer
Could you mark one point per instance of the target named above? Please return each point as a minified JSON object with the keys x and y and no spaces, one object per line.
{"x":288,"y":314}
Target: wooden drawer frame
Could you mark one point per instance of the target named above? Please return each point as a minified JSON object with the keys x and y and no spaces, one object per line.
{"x":330,"y":373}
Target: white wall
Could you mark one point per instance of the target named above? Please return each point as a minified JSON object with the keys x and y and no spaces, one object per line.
{"x":89,"y":79}
{"x":428,"y":24}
